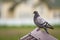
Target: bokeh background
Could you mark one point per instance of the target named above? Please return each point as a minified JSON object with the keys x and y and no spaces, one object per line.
{"x":16,"y":17}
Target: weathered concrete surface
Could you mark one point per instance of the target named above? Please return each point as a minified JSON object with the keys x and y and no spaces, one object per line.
{"x":42,"y":35}
{"x":38,"y":35}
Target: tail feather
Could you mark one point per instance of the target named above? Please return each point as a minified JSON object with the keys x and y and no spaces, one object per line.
{"x":49,"y":26}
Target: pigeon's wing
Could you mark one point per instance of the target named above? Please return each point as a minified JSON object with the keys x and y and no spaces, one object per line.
{"x":40,"y":20}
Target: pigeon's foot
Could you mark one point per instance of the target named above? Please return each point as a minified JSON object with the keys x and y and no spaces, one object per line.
{"x":47,"y":32}
{"x":38,"y":29}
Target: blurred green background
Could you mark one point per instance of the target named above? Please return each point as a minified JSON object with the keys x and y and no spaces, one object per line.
{"x":15,"y":33}
{"x":16,"y":17}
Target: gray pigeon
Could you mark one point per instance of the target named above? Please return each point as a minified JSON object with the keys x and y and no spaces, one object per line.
{"x":40,"y":22}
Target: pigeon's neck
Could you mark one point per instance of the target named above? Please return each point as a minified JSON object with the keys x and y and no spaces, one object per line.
{"x":36,"y":15}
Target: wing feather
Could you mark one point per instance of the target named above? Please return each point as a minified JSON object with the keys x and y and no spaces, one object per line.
{"x":40,"y":20}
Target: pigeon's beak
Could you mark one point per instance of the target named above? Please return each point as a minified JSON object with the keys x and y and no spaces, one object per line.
{"x":33,"y":13}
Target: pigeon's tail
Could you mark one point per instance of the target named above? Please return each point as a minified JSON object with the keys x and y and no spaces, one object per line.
{"x":51,"y":27}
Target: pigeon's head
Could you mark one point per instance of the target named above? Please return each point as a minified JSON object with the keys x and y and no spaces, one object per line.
{"x":35,"y":12}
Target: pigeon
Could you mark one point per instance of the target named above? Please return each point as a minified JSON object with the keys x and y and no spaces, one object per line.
{"x":40,"y":22}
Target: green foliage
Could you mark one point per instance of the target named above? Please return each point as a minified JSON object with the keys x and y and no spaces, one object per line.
{"x":57,"y":25}
{"x":16,"y":32}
